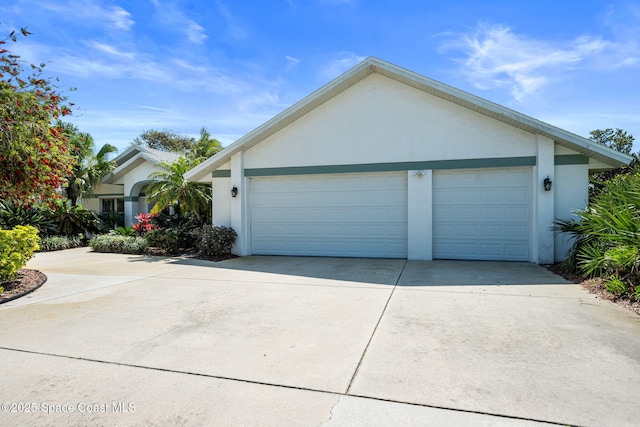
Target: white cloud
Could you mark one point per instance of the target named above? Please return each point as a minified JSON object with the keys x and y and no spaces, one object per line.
{"x":497,"y":57}
{"x":234,"y":29}
{"x":110,"y":49}
{"x":195,"y":32}
{"x":628,"y":62}
{"x":172,"y":17}
{"x":119,"y":17}
{"x":291,"y":63}
{"x":184,"y":64}
{"x":339,"y":65}
{"x":91,"y":11}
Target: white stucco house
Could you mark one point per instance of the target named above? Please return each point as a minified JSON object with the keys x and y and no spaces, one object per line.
{"x":383,"y":162}
{"x":122,"y":191}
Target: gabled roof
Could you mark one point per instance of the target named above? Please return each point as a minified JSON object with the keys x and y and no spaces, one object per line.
{"x":374,"y":65}
{"x":134,"y":156}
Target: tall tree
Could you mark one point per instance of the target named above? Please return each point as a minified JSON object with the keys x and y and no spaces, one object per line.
{"x":35,"y":155}
{"x":171,"y":189}
{"x":90,"y":166}
{"x":617,"y":139}
{"x":164,"y":140}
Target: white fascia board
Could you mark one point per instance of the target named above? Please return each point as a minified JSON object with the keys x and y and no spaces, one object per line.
{"x":125,"y":168}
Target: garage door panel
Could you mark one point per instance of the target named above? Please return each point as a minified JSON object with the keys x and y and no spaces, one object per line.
{"x":482,"y":214}
{"x":361,"y":215}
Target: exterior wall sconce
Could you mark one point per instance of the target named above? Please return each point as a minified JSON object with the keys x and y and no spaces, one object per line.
{"x":234,"y":191}
{"x":546,"y":182}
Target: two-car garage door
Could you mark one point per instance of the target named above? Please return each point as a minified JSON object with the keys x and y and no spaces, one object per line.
{"x":477,"y":214}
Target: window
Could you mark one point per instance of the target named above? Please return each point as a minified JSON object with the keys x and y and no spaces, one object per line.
{"x":112,"y":205}
{"x":112,"y":212}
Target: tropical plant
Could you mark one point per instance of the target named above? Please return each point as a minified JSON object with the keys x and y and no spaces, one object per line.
{"x":203,"y":148}
{"x":145,"y":223}
{"x":35,"y":156}
{"x":171,"y":189}
{"x":607,"y":234}
{"x":37,"y":216}
{"x":89,"y":167}
{"x":74,"y":220}
{"x":123,"y":231}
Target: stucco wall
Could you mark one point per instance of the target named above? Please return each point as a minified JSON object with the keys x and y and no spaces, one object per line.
{"x":222,"y":201}
{"x":101,"y":191}
{"x":138,"y":175}
{"x":382,"y":120}
{"x":571,"y":194}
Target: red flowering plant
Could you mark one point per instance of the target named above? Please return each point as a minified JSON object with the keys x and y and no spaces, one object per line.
{"x":35,"y":156}
{"x":145,"y":223}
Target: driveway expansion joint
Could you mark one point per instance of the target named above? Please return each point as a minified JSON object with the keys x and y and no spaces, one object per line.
{"x":373,"y":333}
{"x":284,"y":386}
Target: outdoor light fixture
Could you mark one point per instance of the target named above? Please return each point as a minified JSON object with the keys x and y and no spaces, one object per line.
{"x":547,"y":184}
{"x":234,"y":191}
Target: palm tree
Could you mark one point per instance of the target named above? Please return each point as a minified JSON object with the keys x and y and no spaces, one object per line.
{"x":90,"y":167}
{"x":203,"y":148}
{"x":170,"y":188}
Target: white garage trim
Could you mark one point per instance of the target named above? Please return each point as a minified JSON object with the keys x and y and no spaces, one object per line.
{"x":350,"y":215}
{"x":482,"y":214}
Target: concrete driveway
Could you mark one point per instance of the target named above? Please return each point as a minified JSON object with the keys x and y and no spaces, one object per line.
{"x":133,"y":340}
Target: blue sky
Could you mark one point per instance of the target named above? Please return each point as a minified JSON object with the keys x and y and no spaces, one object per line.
{"x":231,"y":66}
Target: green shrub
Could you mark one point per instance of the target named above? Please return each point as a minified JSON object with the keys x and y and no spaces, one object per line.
{"x":214,"y":241}
{"x":182,"y":226}
{"x":16,"y":248}
{"x":615,"y":286}
{"x":166,"y":239}
{"x":119,"y":244}
{"x":58,"y":243}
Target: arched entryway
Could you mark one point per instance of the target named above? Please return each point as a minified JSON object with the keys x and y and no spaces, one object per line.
{"x":136,"y":202}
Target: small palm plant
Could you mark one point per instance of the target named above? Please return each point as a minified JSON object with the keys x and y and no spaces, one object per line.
{"x":171,"y":189}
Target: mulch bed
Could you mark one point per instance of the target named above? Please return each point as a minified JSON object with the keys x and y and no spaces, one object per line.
{"x":597,"y":286}
{"x":26,"y":282}
{"x":153,"y":251}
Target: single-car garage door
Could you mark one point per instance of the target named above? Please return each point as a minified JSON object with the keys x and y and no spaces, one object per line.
{"x":482,"y":214}
{"x":348,"y":215}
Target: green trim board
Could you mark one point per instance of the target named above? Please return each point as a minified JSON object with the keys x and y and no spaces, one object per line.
{"x":130,"y":198}
{"x":571,"y":159}
{"x":94,"y":196}
{"x":222,"y":173}
{"x":497,"y":162}
{"x":395,"y":167}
